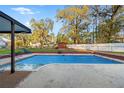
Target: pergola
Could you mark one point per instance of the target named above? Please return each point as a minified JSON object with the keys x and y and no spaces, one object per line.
{"x":12,"y":26}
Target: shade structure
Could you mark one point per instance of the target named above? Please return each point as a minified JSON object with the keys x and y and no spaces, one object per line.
{"x":10,"y":25}
{"x":5,"y":24}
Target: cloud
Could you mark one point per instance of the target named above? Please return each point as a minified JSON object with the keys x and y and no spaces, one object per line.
{"x":23,"y":10}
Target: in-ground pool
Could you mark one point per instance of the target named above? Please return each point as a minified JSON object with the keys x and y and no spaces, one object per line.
{"x":35,"y":62}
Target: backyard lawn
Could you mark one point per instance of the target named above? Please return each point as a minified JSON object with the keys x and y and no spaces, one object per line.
{"x":46,"y":50}
{"x":51,"y":50}
{"x":19,"y":51}
{"x":8,"y":51}
{"x":120,"y":53}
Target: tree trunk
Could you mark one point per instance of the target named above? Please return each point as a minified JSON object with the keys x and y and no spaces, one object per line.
{"x":74,"y":40}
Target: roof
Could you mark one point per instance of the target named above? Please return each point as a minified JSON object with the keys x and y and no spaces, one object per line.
{"x":5,"y":24}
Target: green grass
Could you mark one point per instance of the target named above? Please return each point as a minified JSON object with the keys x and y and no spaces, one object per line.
{"x":120,"y":53}
{"x":5,"y":51}
{"x":8,"y":51}
{"x":50,"y":50}
{"x":43,"y":50}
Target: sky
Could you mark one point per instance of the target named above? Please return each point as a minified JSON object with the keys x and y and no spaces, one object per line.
{"x":24,"y":13}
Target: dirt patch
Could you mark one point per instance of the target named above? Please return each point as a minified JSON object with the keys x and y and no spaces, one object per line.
{"x":8,"y":80}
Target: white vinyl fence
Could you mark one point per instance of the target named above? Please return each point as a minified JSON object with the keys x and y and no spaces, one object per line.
{"x":114,"y":47}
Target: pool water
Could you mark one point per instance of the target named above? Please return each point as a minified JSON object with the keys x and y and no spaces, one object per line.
{"x":37,"y":61}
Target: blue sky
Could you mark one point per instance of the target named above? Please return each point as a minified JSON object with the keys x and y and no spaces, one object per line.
{"x":25,"y":13}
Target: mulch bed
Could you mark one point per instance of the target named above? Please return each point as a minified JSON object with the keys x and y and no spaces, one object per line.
{"x":63,"y":52}
{"x":8,"y":80}
{"x":110,"y":55}
{"x":9,"y":55}
{"x":84,"y":52}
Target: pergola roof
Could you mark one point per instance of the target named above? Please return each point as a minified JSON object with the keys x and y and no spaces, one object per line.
{"x":5,"y":24}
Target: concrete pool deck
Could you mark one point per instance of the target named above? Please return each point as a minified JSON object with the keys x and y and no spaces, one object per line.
{"x":76,"y":76}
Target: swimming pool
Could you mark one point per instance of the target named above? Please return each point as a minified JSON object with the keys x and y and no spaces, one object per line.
{"x":37,"y":61}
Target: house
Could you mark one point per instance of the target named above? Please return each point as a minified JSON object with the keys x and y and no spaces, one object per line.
{"x":35,"y":45}
{"x":3,"y":42}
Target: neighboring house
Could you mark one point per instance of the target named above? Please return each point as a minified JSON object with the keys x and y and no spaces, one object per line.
{"x":36,"y":45}
{"x":3,"y":42}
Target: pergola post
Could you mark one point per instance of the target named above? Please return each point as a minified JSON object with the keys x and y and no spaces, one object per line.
{"x":11,"y":26}
{"x":12,"y":47}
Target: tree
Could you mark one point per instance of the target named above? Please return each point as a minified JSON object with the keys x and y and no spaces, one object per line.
{"x":108,"y":21}
{"x":23,"y":40}
{"x":113,"y":22}
{"x":74,"y":19}
{"x":62,"y":38}
{"x":41,"y":30}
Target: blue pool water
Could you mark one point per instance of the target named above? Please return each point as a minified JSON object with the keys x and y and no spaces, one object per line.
{"x":39,"y":60}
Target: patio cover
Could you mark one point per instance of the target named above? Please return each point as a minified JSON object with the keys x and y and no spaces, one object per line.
{"x":12,"y":26}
